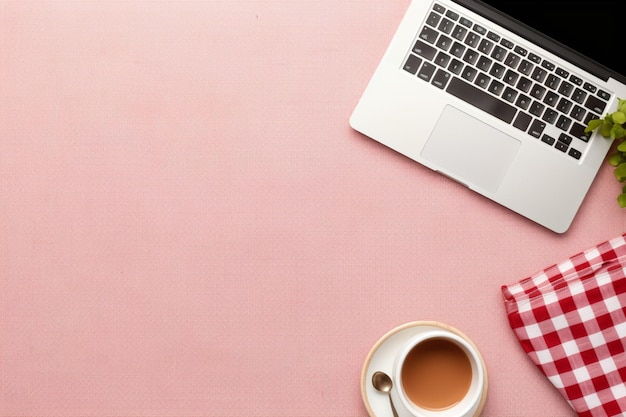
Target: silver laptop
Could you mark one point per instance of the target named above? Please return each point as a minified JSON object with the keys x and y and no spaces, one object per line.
{"x":498,"y":105}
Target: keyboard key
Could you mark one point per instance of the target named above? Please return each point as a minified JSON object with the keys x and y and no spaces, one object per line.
{"x":427,"y":71}
{"x":574,"y":153}
{"x":538,"y":91}
{"x":496,"y":70}
{"x":441,"y":79}
{"x":493,"y":36}
{"x":521,"y":51}
{"x":604,"y":95}
{"x":566,"y":89}
{"x":548,"y":65}
{"x":526,"y":67}
{"x":548,"y":139}
{"x":444,"y":42}
{"x":561,"y":146}
{"x":482,"y":80}
{"x":536,"y":128}
{"x":480,"y":29}
{"x":485,"y":46}
{"x":590,"y":87}
{"x":428,"y":34}
{"x":539,"y":74}
{"x":442,"y":59}
{"x":496,"y":87}
{"x":537,"y":108}
{"x":446,"y":25}
{"x":564,"y":105}
{"x":510,"y":77}
{"x":481,"y":99}
{"x":439,"y":8}
{"x":412,"y":64}
{"x":472,"y":39}
{"x":563,"y":122}
{"x":457,"y":50}
{"x":534,"y":58}
{"x":578,"y":131}
{"x":498,"y":53}
{"x":512,"y":60}
{"x":552,"y":81}
{"x":595,"y":104}
{"x":561,"y":72}
{"x":565,"y":139}
{"x":424,"y":50}
{"x":579,"y":96}
{"x":578,"y":112}
{"x":466,"y":22}
{"x":524,"y":84}
{"x":452,"y":15}
{"x":433,"y":19}
{"x":459,"y":32}
{"x":507,"y":43}
{"x":551,"y":98}
{"x":509,"y":94}
{"x":575,"y":80}
{"x":470,"y":56}
{"x":590,"y":116}
{"x":549,"y":116}
{"x":522,"y":121}
{"x":469,"y":73}
{"x":523,"y":101}
{"x":484,"y":63}
{"x":455,"y":66}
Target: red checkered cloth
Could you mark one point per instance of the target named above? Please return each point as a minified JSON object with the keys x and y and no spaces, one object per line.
{"x":571,"y":320}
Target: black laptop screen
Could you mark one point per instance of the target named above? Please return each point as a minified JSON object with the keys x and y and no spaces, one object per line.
{"x":593,"y":28}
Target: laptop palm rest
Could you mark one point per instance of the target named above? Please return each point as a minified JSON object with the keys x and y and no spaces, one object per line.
{"x":481,"y":157}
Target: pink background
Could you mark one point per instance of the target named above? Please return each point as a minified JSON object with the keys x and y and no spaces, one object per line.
{"x":189,"y":227}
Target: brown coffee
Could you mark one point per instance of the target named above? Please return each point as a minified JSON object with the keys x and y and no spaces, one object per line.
{"x":436,"y":374}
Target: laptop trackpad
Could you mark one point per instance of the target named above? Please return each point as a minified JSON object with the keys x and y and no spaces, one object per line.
{"x":470,"y":150}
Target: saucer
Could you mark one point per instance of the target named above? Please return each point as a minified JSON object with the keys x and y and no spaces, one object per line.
{"x":381,"y":358}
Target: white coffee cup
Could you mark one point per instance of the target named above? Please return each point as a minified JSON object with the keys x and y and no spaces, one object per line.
{"x":439,"y":373}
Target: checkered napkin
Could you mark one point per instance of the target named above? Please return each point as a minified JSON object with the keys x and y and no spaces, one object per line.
{"x":571,"y":320}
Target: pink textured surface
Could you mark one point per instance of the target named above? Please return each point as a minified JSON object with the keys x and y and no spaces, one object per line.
{"x":189,"y":227}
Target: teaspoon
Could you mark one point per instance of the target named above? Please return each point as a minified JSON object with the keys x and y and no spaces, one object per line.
{"x":383,"y":383}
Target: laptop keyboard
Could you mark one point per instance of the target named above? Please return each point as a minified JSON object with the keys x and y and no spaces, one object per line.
{"x":510,"y":82}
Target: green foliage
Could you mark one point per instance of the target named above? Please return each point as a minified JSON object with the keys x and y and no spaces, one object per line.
{"x":621,"y":199}
{"x":612,"y":126}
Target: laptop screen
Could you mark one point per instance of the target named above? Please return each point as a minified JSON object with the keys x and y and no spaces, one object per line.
{"x":588,"y":27}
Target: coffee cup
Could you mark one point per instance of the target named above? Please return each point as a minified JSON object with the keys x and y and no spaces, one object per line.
{"x":439,"y":373}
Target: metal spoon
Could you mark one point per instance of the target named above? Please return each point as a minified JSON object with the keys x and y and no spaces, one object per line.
{"x":383,"y":383}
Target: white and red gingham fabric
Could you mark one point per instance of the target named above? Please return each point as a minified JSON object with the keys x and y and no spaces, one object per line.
{"x":571,"y":320}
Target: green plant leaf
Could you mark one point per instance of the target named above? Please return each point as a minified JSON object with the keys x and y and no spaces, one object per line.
{"x":612,"y":125}
{"x":617,"y":131}
{"x":605,"y":129}
{"x":620,"y":172}
{"x":593,"y":125}
{"x":618,"y":117}
{"x":615,"y":159}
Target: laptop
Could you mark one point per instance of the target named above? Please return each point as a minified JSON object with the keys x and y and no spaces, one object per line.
{"x":497,"y":98}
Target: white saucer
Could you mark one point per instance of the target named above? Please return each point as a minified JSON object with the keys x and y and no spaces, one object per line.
{"x":381,"y":358}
